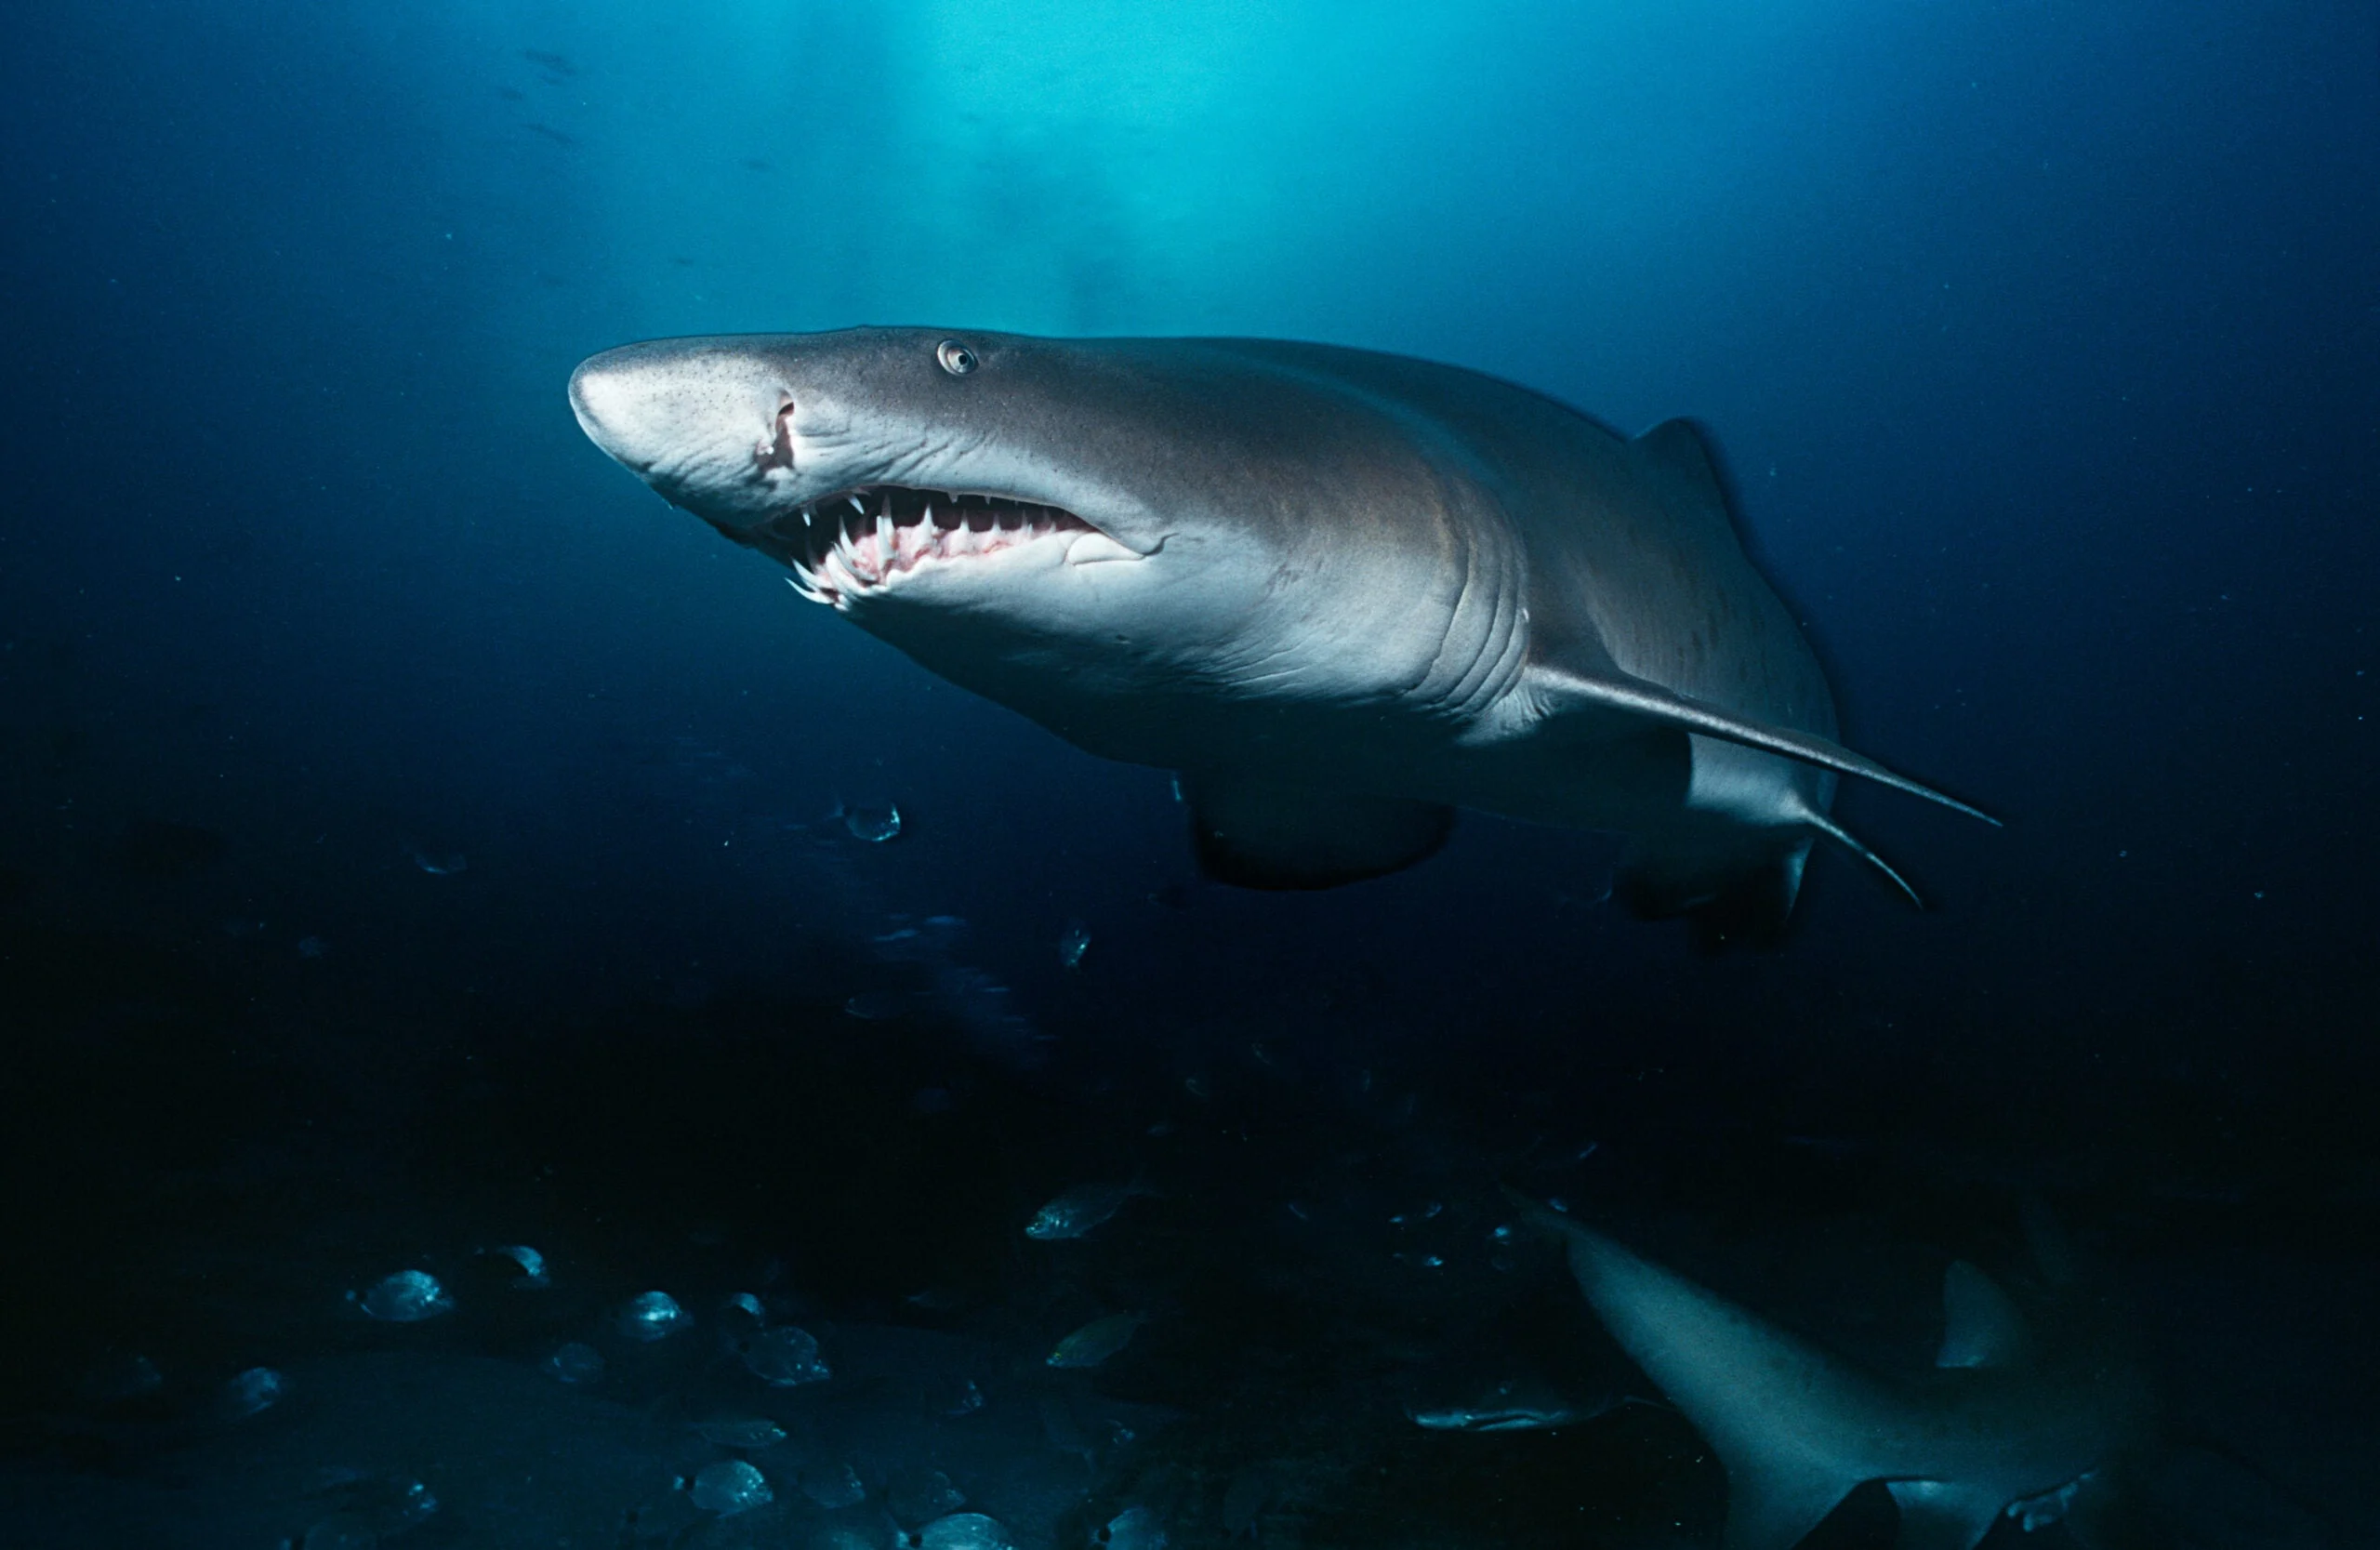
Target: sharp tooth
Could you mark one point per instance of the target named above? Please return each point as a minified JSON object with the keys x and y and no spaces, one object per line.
{"x":805,"y":587}
{"x":805,"y":516}
{"x":926,"y":522}
{"x":885,"y":548}
{"x":857,"y":505}
{"x":838,"y":573}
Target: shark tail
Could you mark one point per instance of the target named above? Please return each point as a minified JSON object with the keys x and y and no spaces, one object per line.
{"x":1735,"y":1377}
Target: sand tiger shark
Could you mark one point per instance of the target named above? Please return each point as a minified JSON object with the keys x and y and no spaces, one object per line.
{"x":1340,"y":593}
{"x":2039,"y":1420}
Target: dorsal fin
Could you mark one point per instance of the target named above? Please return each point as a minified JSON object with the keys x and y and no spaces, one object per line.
{"x":1679,"y":447}
{"x":1981,"y":1326}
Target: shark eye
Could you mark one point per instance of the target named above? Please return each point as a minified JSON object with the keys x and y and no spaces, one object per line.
{"x":955,"y":358}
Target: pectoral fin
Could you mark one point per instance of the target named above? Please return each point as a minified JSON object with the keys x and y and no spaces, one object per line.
{"x":1260,"y":834}
{"x":1563,"y":692}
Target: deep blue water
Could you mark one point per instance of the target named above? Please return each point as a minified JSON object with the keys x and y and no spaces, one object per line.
{"x":2042,"y":341}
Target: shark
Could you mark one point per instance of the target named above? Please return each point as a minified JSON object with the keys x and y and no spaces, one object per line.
{"x":1340,"y":593}
{"x":2039,"y":1419}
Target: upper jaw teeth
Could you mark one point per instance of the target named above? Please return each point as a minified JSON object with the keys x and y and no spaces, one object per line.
{"x":857,"y":543}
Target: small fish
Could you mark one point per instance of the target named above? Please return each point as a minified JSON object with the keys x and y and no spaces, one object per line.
{"x":533,"y":1276}
{"x":1080,"y":1209}
{"x":938,"y":1299}
{"x":1073,"y":942}
{"x":873,"y":825}
{"x":747,"y":1436}
{"x":1517,"y":1403}
{"x":406,"y":1297}
{"x":832,"y":1486}
{"x":1497,"y":1418}
{"x":964,"y":1531}
{"x":252,"y":1393}
{"x":1097,"y":1341}
{"x":1134,"y":1528}
{"x":651,"y":1316}
{"x":729,"y":1487}
{"x":786,"y":1357}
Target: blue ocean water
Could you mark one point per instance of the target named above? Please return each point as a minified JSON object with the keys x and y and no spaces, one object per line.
{"x":416,"y":839}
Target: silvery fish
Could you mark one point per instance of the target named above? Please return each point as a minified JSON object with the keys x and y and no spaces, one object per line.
{"x":1133,"y":1529}
{"x":731,"y":1487}
{"x":1080,"y":1209}
{"x":964,"y":1531}
{"x":406,"y":1297}
{"x":1097,"y":1341}
{"x":533,"y":1276}
{"x":1511,"y":1404}
{"x":749,"y":1435}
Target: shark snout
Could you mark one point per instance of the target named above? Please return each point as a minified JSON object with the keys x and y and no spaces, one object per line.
{"x":704,"y":425}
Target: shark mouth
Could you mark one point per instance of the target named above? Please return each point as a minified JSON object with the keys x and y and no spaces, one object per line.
{"x":852,"y":544}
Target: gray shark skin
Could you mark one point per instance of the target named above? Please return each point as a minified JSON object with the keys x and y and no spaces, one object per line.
{"x":1342,"y":594}
{"x":2039,"y":1420}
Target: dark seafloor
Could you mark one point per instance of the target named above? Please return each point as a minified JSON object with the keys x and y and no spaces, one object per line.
{"x":416,"y":842}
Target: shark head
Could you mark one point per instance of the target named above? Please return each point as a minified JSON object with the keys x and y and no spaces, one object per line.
{"x":1068,"y":526}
